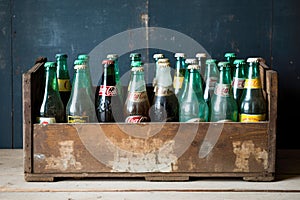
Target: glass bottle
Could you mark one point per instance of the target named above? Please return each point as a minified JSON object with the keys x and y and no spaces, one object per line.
{"x":63,"y":78}
{"x":136,"y":61}
{"x":108,"y":102}
{"x":136,"y":108}
{"x":194,"y":61}
{"x":223,"y":106}
{"x":86,"y":58}
{"x":165,"y":104}
{"x":156,"y":57}
{"x":193,"y":108}
{"x":179,"y":73}
{"x":211,"y":75}
{"x":81,"y":108}
{"x":201,"y":62}
{"x":238,"y":79}
{"x":52,"y":108}
{"x":115,"y":58}
{"x":230,"y":57}
{"x":253,"y":106}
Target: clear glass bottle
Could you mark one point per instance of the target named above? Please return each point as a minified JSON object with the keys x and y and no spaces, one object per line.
{"x":253,"y":106}
{"x":211,"y":75}
{"x":81,"y":108}
{"x":179,"y":73}
{"x":86,"y":58}
{"x":156,"y":57}
{"x":193,"y":108}
{"x":52,"y":108}
{"x":165,"y":104}
{"x":223,"y":106}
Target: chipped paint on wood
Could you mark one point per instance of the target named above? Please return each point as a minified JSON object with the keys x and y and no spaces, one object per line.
{"x":243,"y":151}
{"x":162,"y":160}
{"x":66,"y":160}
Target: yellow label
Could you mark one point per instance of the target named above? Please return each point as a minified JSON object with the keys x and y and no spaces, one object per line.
{"x":253,"y":83}
{"x":64,"y":85}
{"x":252,"y":117}
{"x":177,"y":83}
{"x":78,"y":119}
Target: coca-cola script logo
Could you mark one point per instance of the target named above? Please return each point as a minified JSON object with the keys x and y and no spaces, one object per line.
{"x":238,"y":83}
{"x":135,"y":119}
{"x":137,"y":96}
{"x":108,"y":90}
{"x":222,"y":90}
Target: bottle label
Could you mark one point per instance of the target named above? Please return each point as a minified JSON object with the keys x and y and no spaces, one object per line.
{"x":212,"y":81}
{"x":252,"y":117}
{"x":177,"y":83}
{"x":137,"y":96}
{"x":161,"y":91}
{"x":64,"y":85}
{"x":238,"y":83}
{"x":108,"y":91}
{"x":253,"y":83}
{"x":136,"y":119}
{"x":195,"y":120}
{"x":222,"y":90}
{"x":78,"y":119}
{"x":46,"y":120}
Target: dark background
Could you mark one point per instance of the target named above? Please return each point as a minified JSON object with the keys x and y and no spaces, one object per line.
{"x":264,"y":28}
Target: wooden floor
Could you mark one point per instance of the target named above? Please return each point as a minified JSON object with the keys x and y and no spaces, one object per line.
{"x":13,"y":186}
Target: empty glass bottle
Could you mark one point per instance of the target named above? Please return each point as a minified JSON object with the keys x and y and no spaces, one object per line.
{"x":179,"y":73}
{"x":52,"y":108}
{"x":165,"y":104}
{"x":193,"y":108}
{"x":223,"y":107}
{"x":238,"y":80}
{"x":211,"y":76}
{"x":63,"y":78}
{"x":81,"y":108}
{"x":253,"y":106}
{"x":86,"y":58}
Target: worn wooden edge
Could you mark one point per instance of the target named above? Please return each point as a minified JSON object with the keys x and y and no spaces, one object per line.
{"x":272,"y":90}
{"x":27,"y":113}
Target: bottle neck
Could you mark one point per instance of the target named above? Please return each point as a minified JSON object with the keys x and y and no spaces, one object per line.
{"x":253,"y":79}
{"x":81,"y":79}
{"x":194,"y":83}
{"x":62,"y":69}
{"x":225,"y":75}
{"x":138,"y":82}
{"x":109,"y":76}
{"x":51,"y":80}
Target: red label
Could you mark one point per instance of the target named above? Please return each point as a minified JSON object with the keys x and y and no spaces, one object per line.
{"x":108,"y":91}
{"x":222,"y":90}
{"x":135,"y":119}
{"x":137,"y":96}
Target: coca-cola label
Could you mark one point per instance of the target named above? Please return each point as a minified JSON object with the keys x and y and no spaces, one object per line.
{"x":222,"y":90}
{"x":136,"y":119}
{"x":137,"y":96}
{"x":238,"y":83}
{"x":108,"y":91}
{"x":212,"y":81}
{"x":46,"y":120}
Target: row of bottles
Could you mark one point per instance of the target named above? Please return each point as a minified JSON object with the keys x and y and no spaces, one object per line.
{"x":228,"y":91}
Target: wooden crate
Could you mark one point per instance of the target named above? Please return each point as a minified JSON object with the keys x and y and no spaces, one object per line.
{"x":155,"y":151}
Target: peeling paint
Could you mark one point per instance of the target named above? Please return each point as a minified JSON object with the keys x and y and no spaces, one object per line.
{"x":243,"y":151}
{"x":66,"y":160}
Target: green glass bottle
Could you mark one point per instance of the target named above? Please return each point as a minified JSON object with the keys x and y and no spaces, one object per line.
{"x":193,"y":108}
{"x":223,"y":106}
{"x":80,"y":108}
{"x":238,"y":79}
{"x":165,"y":104}
{"x":253,"y":106}
{"x":136,"y":61}
{"x":230,"y":57}
{"x":63,"y":78}
{"x":52,"y":108}
{"x":211,"y":75}
{"x":179,"y":73}
{"x":115,"y":58}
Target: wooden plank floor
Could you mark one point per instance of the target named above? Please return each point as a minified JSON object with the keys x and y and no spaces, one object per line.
{"x":13,"y":185}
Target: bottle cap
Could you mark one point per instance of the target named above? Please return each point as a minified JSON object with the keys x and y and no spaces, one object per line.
{"x":112,"y":56}
{"x":135,"y":55}
{"x":193,"y":66}
{"x":163,"y":60}
{"x":137,"y":69}
{"x":61,"y":56}
{"x":83,"y":57}
{"x":50,"y":64}
{"x":239,"y":61}
{"x":211,"y":61}
{"x":179,"y":55}
{"x":230,"y":55}
{"x":256,"y":59}
{"x":201,"y":55}
{"x":164,"y":64}
{"x":80,"y":62}
{"x":158,"y":55}
{"x":223,"y":64}
{"x":108,"y":62}
{"x":191,"y":61}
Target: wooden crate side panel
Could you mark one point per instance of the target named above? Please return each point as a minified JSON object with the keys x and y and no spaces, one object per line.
{"x":174,"y":147}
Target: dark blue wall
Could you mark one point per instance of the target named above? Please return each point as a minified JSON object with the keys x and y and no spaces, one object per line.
{"x":29,"y":29}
